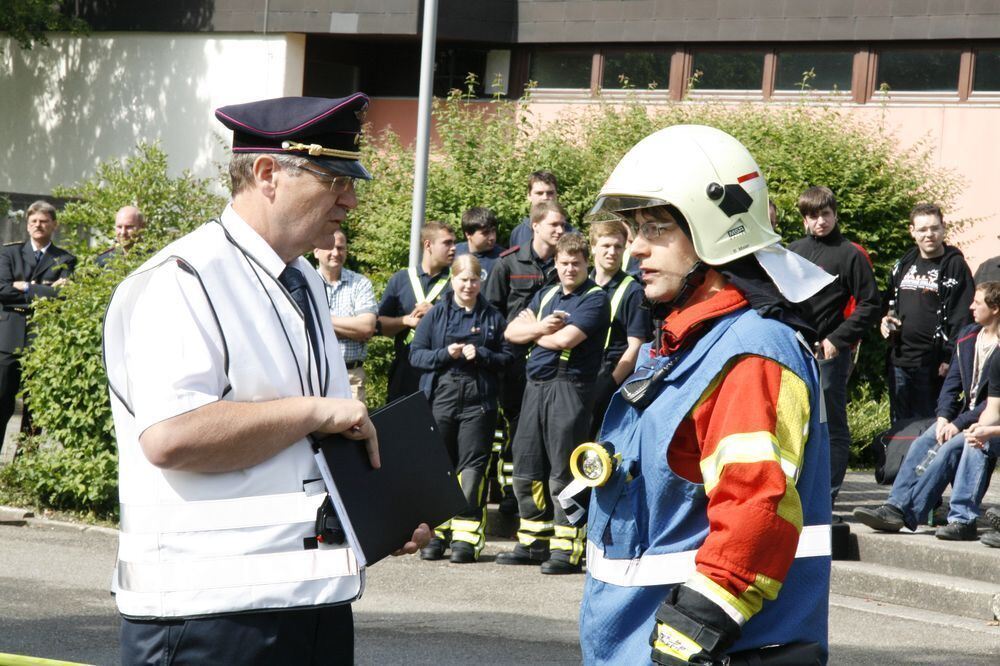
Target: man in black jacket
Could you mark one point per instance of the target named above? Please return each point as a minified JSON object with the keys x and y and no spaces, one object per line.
{"x":837,"y":334}
{"x":930,"y":289}
{"x":30,"y":270}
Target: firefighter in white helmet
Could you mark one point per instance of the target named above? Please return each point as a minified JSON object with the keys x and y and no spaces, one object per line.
{"x":711,"y":536}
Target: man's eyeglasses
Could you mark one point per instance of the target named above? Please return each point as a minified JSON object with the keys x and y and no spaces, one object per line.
{"x":338,"y":184}
{"x":652,"y":230}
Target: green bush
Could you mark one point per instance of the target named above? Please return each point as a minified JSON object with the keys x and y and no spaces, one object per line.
{"x":867,"y":416}
{"x":73,"y":464}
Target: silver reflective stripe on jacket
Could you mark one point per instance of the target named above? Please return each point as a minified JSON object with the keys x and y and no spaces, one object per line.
{"x":674,"y":568}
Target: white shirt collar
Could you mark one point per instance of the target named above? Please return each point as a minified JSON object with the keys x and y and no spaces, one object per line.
{"x":251,"y":242}
{"x":40,"y":249}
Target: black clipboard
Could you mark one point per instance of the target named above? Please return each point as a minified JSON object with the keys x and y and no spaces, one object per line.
{"x":416,"y":483}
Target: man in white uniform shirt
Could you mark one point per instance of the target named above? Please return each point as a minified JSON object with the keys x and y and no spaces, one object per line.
{"x":221,"y":362}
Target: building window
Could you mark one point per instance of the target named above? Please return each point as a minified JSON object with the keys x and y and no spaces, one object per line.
{"x":987,"y":76}
{"x":453,"y":65}
{"x":561,"y":69}
{"x":831,"y":70}
{"x":930,"y":70}
{"x":728,"y":70}
{"x":643,"y":71}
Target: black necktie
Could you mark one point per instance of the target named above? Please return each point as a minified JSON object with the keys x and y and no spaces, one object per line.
{"x":293,"y":280}
{"x":38,"y":256}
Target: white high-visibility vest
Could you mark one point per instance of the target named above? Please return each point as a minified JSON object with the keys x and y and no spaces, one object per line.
{"x":205,"y":319}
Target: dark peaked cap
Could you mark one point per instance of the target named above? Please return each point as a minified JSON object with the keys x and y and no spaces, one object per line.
{"x":324,"y":131}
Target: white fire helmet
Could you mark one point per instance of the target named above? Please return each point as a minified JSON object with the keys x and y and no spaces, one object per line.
{"x":704,"y":173}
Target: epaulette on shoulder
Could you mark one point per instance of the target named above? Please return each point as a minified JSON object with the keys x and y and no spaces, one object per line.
{"x":12,"y":243}
{"x":510,"y":250}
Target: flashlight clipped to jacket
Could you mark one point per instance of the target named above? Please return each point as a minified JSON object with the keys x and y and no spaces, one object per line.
{"x":592,"y":464}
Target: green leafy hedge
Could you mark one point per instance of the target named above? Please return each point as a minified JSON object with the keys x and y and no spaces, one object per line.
{"x":485,"y":154}
{"x":73,"y":465}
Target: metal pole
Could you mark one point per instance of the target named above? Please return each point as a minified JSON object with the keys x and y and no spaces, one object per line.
{"x":423,"y":129}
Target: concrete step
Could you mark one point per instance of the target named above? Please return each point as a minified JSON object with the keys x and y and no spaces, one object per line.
{"x":922,"y":551}
{"x":917,"y":589}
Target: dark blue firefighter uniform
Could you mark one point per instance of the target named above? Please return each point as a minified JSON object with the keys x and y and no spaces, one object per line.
{"x":398,"y":300}
{"x":463,"y":397}
{"x":555,"y":418}
{"x":514,"y":280}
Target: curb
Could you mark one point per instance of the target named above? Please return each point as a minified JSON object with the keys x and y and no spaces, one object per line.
{"x":12,"y":516}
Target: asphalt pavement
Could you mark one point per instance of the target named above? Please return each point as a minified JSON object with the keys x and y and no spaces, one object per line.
{"x":54,"y":603}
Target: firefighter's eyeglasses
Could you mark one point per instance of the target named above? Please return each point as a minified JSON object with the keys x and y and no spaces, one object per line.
{"x":652,"y":230}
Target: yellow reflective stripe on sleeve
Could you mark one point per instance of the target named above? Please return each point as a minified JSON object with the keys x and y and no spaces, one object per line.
{"x":768,"y":586}
{"x":790,"y":506}
{"x":792,"y":427}
{"x":739,"y":609}
{"x":743,"y":447}
{"x":674,"y":643}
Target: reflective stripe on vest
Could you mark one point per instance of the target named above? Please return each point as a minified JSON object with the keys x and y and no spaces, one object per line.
{"x":674,"y":568}
{"x":616,"y":302}
{"x":212,"y":515}
{"x":418,"y":293}
{"x":239,"y":571}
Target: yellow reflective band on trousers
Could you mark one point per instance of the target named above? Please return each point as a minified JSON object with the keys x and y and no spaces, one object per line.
{"x":418,"y":293}
{"x":570,"y":540}
{"x":538,"y":494}
{"x":530,"y":531}
{"x":443,"y":530}
{"x":470,"y":531}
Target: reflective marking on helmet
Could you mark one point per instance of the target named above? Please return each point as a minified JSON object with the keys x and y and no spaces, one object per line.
{"x":752,"y":182}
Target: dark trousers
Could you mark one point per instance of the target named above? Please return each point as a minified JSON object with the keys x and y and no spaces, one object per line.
{"x":10,"y":382}
{"x":555,"y":418}
{"x":404,"y":380}
{"x":306,"y":636}
{"x":511,"y":393}
{"x":467,"y":429}
{"x":833,"y":374}
{"x":604,"y":390}
{"x":913,"y":392}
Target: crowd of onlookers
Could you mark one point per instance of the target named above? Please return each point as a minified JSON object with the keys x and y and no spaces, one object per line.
{"x":574,"y":321}
{"x":520,"y":349}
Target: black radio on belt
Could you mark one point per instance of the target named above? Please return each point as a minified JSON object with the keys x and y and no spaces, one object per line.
{"x":328,"y":527}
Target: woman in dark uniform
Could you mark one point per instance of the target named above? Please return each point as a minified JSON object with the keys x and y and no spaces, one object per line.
{"x":460,"y":349}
